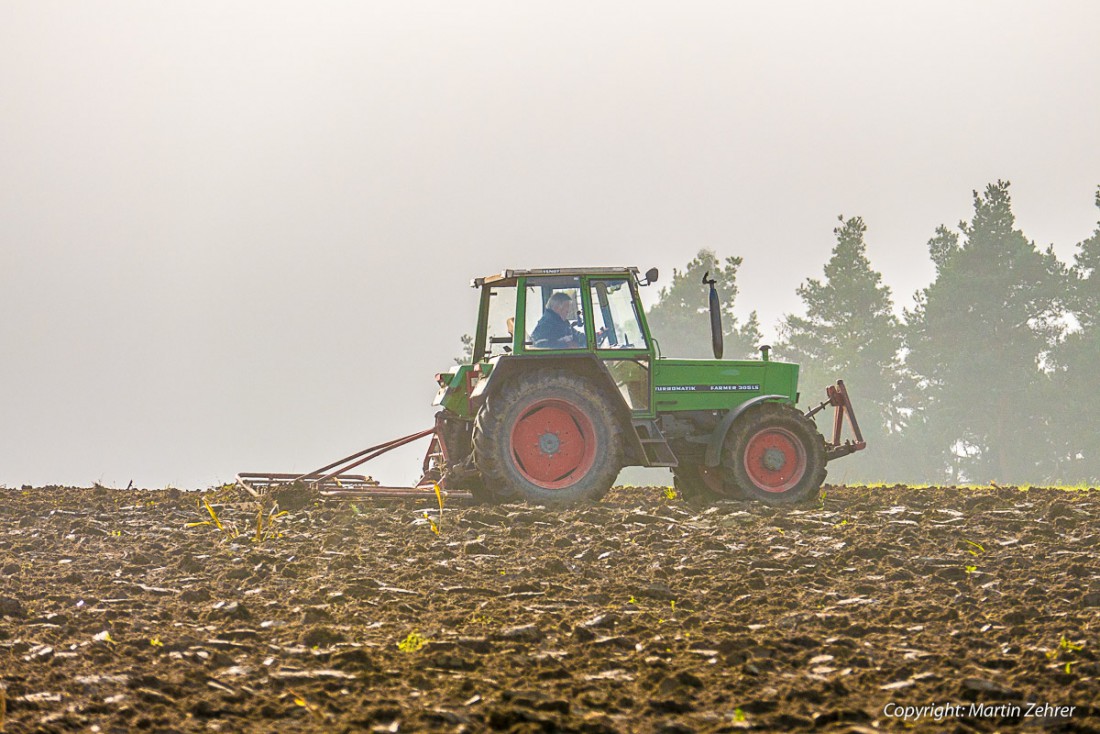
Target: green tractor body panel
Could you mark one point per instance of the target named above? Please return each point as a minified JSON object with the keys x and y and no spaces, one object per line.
{"x":454,"y":395}
{"x":706,"y":384}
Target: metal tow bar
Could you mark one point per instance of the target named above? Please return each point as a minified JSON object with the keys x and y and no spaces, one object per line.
{"x":333,"y":480}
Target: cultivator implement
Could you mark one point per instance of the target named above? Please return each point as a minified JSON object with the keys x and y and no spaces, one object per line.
{"x":842,"y":409}
{"x":334,"y":480}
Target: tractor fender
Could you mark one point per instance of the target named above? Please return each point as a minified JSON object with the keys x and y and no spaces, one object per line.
{"x":587,"y":365}
{"x":718,"y":437}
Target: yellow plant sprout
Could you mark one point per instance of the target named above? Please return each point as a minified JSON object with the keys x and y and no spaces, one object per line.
{"x":300,"y":700}
{"x":214,"y":521}
{"x":415,"y":641}
{"x":265,"y":524}
{"x":213,"y":514}
{"x":1069,"y":646}
{"x":1065,"y":645}
{"x":436,"y":528}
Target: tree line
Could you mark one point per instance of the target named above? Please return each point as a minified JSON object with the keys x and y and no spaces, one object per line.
{"x":991,"y":375}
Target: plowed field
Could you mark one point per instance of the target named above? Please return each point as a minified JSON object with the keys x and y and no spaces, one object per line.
{"x":637,"y":614}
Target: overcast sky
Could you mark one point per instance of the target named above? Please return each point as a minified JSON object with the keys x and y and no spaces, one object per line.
{"x":239,"y":235}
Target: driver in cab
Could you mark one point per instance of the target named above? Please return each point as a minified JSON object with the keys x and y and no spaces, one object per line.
{"x":553,"y":330}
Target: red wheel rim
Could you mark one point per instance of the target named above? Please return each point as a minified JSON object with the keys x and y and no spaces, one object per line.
{"x":553,"y":444}
{"x":775,"y":460}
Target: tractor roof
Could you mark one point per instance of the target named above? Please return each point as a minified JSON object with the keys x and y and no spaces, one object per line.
{"x":508,"y":277}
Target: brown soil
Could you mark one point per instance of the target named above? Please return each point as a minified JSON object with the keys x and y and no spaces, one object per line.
{"x":638,"y":614}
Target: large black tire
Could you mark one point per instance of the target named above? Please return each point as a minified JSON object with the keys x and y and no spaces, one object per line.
{"x":548,"y":437}
{"x":775,"y":455}
{"x":702,"y":486}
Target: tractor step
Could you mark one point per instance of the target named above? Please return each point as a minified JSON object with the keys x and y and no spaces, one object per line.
{"x":657,"y":451}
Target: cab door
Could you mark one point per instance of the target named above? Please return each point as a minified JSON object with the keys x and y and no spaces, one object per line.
{"x":619,"y":336}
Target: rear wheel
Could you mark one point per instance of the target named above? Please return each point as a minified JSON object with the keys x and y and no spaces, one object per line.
{"x":775,"y":455}
{"x":549,"y":438}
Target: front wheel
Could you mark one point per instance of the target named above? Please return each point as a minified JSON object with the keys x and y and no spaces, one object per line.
{"x":549,"y":438}
{"x":775,"y":455}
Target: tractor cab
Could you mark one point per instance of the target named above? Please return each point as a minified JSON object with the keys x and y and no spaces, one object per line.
{"x":592,"y":314}
{"x":527,"y":311}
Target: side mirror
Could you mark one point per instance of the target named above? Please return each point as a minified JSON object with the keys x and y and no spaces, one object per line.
{"x":650,"y":276}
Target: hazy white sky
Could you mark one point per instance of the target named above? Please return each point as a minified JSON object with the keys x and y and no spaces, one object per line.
{"x":239,"y":235}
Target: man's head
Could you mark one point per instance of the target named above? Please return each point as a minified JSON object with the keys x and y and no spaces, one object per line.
{"x":562,"y":304}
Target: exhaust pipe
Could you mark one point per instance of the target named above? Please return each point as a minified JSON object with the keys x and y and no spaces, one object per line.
{"x":716,"y":340}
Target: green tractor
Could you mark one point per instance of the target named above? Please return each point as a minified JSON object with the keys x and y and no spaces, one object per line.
{"x":566,"y":386}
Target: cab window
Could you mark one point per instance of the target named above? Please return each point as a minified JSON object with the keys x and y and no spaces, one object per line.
{"x":502,"y":318}
{"x":615,"y":317}
{"x":554,"y":316}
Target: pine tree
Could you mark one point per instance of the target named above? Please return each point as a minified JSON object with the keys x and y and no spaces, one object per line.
{"x":680,"y":321}
{"x":850,"y":332}
{"x":980,"y":339}
{"x":1076,"y":424}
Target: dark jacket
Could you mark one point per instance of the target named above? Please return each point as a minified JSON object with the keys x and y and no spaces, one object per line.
{"x":554,"y":332}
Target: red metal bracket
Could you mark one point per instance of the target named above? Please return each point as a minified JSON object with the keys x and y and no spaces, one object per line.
{"x":842,"y":405}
